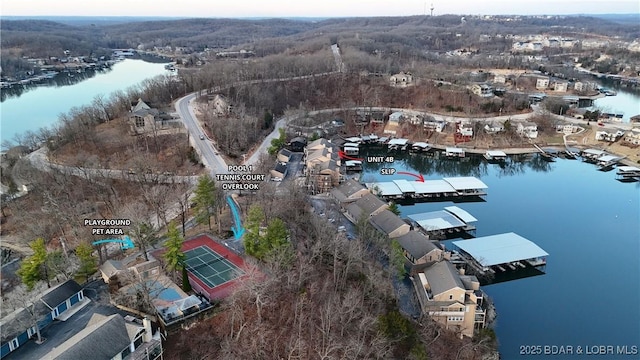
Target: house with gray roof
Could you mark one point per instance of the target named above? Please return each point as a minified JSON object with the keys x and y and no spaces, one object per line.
{"x":110,"y":337}
{"x":349,"y":191}
{"x":389,"y":224}
{"x":23,"y":324}
{"x":452,"y":299}
{"x":367,"y":206}
{"x":418,"y":249}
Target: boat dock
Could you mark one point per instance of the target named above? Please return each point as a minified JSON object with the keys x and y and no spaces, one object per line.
{"x":444,"y":189}
{"x":444,"y":223}
{"x":495,"y":155}
{"x":498,"y":253}
{"x":454,"y":152}
{"x":592,"y":155}
{"x":607,"y":162}
{"x":628,"y":173}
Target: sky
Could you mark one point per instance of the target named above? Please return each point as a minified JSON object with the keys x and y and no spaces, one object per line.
{"x":306,"y":8}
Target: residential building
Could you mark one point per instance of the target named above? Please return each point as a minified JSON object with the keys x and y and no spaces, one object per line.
{"x":20,"y":326}
{"x":349,"y":191}
{"x":542,"y":83}
{"x":567,"y":129}
{"x":135,"y":265}
{"x":499,"y":79}
{"x":453,"y":300}
{"x":284,"y":155}
{"x":401,"y":80}
{"x":297,"y":144}
{"x":483,"y":90}
{"x":418,"y":249}
{"x":632,"y":137}
{"x":609,"y":135}
{"x":322,"y":166}
{"x":494,"y":127}
{"x":111,"y":337}
{"x":528,"y":129}
{"x":389,"y":224}
{"x":279,"y":171}
{"x":560,"y":86}
{"x":367,"y":206}
{"x":144,"y":119}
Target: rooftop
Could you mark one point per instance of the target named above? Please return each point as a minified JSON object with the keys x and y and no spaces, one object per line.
{"x":442,"y":276}
{"x":416,"y":244}
{"x":465,"y":183}
{"x":500,"y":249}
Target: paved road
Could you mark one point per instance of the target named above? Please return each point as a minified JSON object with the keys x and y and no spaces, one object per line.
{"x":209,"y":155}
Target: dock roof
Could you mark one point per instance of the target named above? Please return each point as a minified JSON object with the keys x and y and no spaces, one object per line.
{"x":436,"y":220}
{"x":461,"y":214}
{"x":496,"y":153}
{"x":454,"y":150}
{"x":387,"y":188}
{"x":404,"y":186}
{"x":607,"y":158}
{"x":465,"y":183}
{"x":500,"y":249}
{"x":594,"y":152}
{"x":398,"y":141}
{"x":433,"y":187}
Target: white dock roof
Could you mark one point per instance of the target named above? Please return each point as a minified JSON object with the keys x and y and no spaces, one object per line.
{"x":353,"y":163}
{"x":398,"y":142}
{"x":500,"y":249}
{"x":607,"y":158}
{"x":461,"y":214}
{"x":421,"y":145}
{"x":496,"y":153}
{"x":455,"y":150}
{"x":351,"y":144}
{"x":433,"y":187}
{"x":354,"y":139}
{"x":627,"y":169}
{"x":595,"y":152}
{"x":465,"y":183}
{"x":404,"y":186}
{"x":387,"y":188}
{"x":436,"y":220}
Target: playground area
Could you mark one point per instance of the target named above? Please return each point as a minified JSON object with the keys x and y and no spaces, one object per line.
{"x":212,"y":268}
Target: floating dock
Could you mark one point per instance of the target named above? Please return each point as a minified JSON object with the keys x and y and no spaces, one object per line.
{"x":454,"y":152}
{"x":628,"y":173}
{"x":429,"y":189}
{"x":497,"y":253}
{"x":495,"y":155}
{"x":592,"y":155}
{"x":607,"y":162}
{"x":452,"y":220}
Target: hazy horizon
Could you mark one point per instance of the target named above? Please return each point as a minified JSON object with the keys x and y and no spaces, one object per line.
{"x":324,"y":9}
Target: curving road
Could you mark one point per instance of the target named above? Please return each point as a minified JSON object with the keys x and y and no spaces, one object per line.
{"x":209,"y":155}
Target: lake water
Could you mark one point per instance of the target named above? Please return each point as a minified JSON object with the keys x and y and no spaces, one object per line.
{"x":41,"y":106}
{"x":625,"y":102}
{"x":587,"y":221}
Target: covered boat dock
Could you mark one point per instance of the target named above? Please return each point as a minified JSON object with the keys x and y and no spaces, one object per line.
{"x":429,"y":189}
{"x":501,"y":252}
{"x":451,"y":220}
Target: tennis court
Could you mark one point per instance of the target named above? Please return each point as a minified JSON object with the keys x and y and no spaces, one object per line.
{"x":210,"y":267}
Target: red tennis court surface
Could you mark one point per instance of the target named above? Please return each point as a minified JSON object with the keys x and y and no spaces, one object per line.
{"x":202,"y":277}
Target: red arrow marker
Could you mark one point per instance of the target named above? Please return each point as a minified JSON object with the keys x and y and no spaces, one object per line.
{"x":418,"y":176}
{"x":344,"y":156}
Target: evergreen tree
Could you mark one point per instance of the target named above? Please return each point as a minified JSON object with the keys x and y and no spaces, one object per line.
{"x":88,"y":266}
{"x":278,"y":143}
{"x":393,"y":207}
{"x":174,"y":256}
{"x":252,"y":235}
{"x":205,"y":199}
{"x":32,"y":269}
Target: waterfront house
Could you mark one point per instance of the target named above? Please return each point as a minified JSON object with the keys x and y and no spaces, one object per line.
{"x":494,"y":127}
{"x":609,"y":135}
{"x":560,"y":86}
{"x":418,"y":249}
{"x":632,"y":137}
{"x":349,"y":191}
{"x":389,"y":224}
{"x":527,"y":129}
{"x":499,"y":79}
{"x":365,"y":207}
{"x":451,"y":299}
{"x":20,"y":326}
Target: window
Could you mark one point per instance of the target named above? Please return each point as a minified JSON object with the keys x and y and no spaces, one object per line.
{"x":139,"y":122}
{"x":450,"y":297}
{"x":13,"y":344}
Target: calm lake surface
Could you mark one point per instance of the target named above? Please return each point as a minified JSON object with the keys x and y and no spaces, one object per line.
{"x":587,"y":221}
{"x":625,"y":102}
{"x":40,"y":107}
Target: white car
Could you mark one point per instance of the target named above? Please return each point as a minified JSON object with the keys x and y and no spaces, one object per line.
{"x":201,"y":137}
